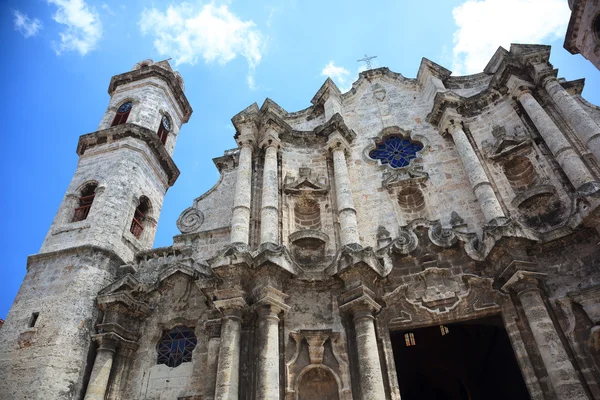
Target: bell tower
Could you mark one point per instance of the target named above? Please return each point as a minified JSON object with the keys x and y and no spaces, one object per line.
{"x":109,"y":213}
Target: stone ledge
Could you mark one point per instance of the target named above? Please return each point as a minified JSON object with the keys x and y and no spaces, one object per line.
{"x":118,"y":132}
{"x":155,"y":71}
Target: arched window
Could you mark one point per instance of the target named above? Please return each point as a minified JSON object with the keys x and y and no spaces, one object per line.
{"x":122,"y":113}
{"x":164,"y":128}
{"x":396,"y":151}
{"x":176,"y":346}
{"x":85,"y":202}
{"x":137,"y":224}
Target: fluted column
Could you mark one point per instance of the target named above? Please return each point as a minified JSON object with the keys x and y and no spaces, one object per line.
{"x":561,"y":372}
{"x":566,"y":156}
{"x":369,"y":365}
{"x":585,"y":127}
{"x":240,"y":221}
{"x":269,"y":212}
{"x":98,"y":383}
{"x":345,"y":203}
{"x":486,"y":197}
{"x":268,"y":309}
{"x":228,"y":372}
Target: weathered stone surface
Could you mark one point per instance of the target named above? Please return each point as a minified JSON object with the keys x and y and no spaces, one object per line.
{"x":298,"y":271}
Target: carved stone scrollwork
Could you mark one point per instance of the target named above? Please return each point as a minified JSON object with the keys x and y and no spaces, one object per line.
{"x":438,"y":291}
{"x":190,"y":220}
{"x":441,"y":236}
{"x":406,"y":242}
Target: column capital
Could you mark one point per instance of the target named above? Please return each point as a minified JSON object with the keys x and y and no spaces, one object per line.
{"x":450,"y":124}
{"x":518,"y":87}
{"x":337,"y":141}
{"x":232,"y":307}
{"x":213,"y":327}
{"x":246,"y":141}
{"x":271,"y":299}
{"x":523,"y":281}
{"x":270,"y":141}
{"x":108,"y":341}
{"x":359,"y":302}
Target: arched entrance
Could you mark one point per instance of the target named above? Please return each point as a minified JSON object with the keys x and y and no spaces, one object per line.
{"x":318,"y":384}
{"x":471,"y":360}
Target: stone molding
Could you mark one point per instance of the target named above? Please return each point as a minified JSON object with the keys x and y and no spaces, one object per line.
{"x":155,"y":71}
{"x":122,"y":131}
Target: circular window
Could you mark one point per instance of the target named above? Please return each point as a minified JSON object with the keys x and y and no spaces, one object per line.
{"x":396,"y":151}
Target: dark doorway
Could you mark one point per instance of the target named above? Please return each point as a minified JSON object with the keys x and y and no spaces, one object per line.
{"x":471,"y":360}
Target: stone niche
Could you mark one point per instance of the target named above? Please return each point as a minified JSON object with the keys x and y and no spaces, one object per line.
{"x":317,"y":366}
{"x":307,"y":197}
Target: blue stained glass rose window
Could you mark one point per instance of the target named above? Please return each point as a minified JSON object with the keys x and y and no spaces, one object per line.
{"x":176,"y":346}
{"x":396,"y":151}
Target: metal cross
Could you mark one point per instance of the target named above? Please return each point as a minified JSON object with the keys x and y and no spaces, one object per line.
{"x":367,"y":60}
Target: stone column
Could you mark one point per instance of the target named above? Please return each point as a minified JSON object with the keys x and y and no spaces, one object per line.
{"x":565,"y":155}
{"x":268,"y":309}
{"x":486,"y":197}
{"x":269,"y":212}
{"x":585,"y":127}
{"x":98,"y":383}
{"x":240,"y":221}
{"x":228,"y":372}
{"x":345,"y":203}
{"x":213,"y":329}
{"x":561,"y":372}
{"x":369,"y":365}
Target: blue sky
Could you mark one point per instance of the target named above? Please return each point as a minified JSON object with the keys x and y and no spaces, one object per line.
{"x":59,"y":56}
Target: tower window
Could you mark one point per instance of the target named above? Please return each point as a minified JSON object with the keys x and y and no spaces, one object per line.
{"x":33,"y":319}
{"x":409,"y":339}
{"x":137,"y":224}
{"x":85,"y":202}
{"x":163,"y":129}
{"x":122,"y":113}
{"x":176,"y":346}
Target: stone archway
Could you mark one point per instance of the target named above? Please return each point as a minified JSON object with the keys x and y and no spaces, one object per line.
{"x":318,"y":384}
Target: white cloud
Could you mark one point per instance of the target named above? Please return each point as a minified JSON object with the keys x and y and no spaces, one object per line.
{"x":28,"y":27}
{"x":83,"y":26}
{"x":339,"y":75}
{"x":485,"y":25}
{"x":107,"y":8}
{"x":187,"y":33}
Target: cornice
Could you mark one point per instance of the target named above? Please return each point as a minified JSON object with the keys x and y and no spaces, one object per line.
{"x":577,"y":7}
{"x":155,"y":71}
{"x":119,"y":132}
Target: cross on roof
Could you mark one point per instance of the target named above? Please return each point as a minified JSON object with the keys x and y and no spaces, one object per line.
{"x":367,"y":60}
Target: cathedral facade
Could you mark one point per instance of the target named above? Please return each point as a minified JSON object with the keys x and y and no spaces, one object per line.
{"x":427,"y":238}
